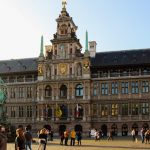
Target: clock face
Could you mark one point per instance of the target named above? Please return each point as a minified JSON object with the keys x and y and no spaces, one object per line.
{"x":63,"y":68}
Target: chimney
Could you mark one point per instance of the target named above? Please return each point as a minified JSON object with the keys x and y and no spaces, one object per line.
{"x":92,"y":48}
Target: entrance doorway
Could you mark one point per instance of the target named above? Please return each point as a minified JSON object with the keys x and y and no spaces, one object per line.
{"x":124,"y":130}
{"x":114,"y":129}
{"x":78,"y":128}
{"x":62,"y":128}
{"x":145,"y":126}
{"x":135,"y":126}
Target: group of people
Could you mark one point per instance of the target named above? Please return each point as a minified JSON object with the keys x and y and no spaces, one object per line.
{"x":74,"y":135}
{"x":145,"y":135}
{"x":97,"y":134}
{"x":23,"y":138}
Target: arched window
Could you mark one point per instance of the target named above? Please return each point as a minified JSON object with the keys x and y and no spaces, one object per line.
{"x":63,"y":91}
{"x":48,"y":91}
{"x":79,"y":90}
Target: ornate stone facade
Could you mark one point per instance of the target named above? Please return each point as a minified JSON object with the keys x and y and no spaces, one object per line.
{"x":69,"y":89}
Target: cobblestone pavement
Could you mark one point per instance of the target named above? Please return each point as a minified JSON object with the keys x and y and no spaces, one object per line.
{"x":116,"y":144}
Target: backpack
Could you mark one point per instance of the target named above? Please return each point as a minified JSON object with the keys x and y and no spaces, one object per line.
{"x":28,"y":136}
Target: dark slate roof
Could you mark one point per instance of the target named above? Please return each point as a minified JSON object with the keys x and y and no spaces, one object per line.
{"x":121,"y":58}
{"x":18,"y":65}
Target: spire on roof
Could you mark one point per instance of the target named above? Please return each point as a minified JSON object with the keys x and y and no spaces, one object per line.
{"x":86,"y":53}
{"x":41,"y":50}
{"x":86,"y":42}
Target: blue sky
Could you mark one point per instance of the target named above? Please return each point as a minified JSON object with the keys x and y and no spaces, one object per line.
{"x":113,"y":24}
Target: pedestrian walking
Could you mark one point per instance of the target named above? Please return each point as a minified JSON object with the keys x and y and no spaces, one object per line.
{"x":42,"y":139}
{"x":73,"y":136}
{"x":66,"y":135}
{"x":79,"y":137}
{"x":28,"y":138}
{"x":51,"y":135}
{"x":142,"y":133}
{"x":3,"y":138}
{"x":110,"y":136}
{"x":133,"y":134}
{"x":147,"y":136}
{"x":61,"y":138}
{"x":20,"y":140}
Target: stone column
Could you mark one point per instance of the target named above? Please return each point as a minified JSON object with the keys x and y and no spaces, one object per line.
{"x":73,"y":92}
{"x":57,"y":93}
{"x":84,"y":91}
{"x":68,"y":91}
{"x":38,"y":113}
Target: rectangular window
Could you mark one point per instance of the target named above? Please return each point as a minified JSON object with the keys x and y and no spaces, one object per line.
{"x":124,"y":87}
{"x":103,"y":74}
{"x":135,"y":88}
{"x":95,"y":89}
{"x":114,"y":88}
{"x":29,"y":111}
{"x":104,"y":110}
{"x":124,"y":109}
{"x":114,"y":109}
{"x":145,"y":86}
{"x":55,"y":71}
{"x":135,"y":109}
{"x":12,"y":93}
{"x":70,"y":70}
{"x":145,"y":109}
{"x":114,"y":73}
{"x":21,"y":92}
{"x":94,"y":109}
{"x":104,"y":88}
{"x":13,"y":111}
{"x":21,"y":111}
{"x":29,"y":92}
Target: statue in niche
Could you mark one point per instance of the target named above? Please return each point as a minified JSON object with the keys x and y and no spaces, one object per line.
{"x":79,"y":70}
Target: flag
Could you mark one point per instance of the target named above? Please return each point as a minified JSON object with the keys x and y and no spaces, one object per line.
{"x":58,"y":111}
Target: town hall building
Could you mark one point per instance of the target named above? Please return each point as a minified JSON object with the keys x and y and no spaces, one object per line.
{"x":67,"y":88}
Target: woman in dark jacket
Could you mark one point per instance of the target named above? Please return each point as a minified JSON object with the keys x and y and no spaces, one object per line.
{"x":20,"y":140}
